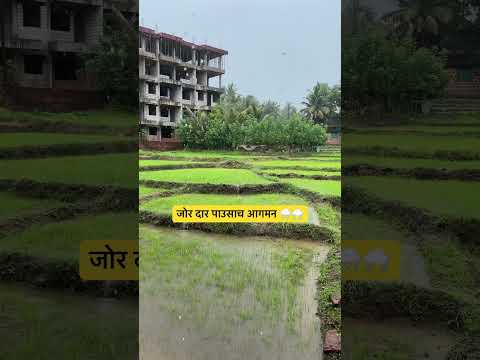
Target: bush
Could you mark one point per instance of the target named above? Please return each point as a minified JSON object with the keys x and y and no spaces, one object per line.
{"x":377,"y":71}
{"x":228,"y":129}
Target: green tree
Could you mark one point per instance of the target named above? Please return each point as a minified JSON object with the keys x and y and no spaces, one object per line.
{"x":422,"y":19}
{"x":321,"y":102}
{"x":115,"y":61}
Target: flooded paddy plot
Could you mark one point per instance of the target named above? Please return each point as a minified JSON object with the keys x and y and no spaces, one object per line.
{"x":168,"y":162}
{"x":13,"y":205}
{"x":400,"y":163}
{"x":224,"y":297}
{"x":301,"y":172}
{"x":15,"y":140}
{"x":395,"y":339}
{"x":321,"y":187}
{"x":313,"y":164}
{"x":450,"y":198}
{"x":422,"y":143}
{"x":206,"y":176}
{"x":44,"y":325}
{"x":113,"y":169}
{"x":60,"y":241}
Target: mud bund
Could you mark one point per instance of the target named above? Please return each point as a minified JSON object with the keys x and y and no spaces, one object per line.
{"x":290,"y":231}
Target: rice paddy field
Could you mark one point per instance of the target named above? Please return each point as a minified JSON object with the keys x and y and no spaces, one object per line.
{"x":434,"y":219}
{"x":57,"y":176}
{"x":223,"y":293}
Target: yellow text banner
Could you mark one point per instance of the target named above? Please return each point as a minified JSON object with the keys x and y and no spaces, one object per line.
{"x":109,"y":260}
{"x":371,"y":260}
{"x":240,"y":214}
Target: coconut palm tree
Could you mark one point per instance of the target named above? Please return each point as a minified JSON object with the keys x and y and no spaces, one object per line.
{"x":320,"y":102}
{"x":421,"y":19}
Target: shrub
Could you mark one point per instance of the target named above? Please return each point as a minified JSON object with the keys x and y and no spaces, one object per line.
{"x":227,"y":129}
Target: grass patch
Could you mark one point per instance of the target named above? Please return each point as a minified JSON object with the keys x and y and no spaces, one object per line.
{"x":146,"y":191}
{"x":301,"y":172}
{"x":111,"y":118}
{"x":114,"y":169}
{"x":363,"y":227}
{"x":167,"y":162}
{"x":206,"y":176}
{"x":61,"y":241}
{"x":15,"y":206}
{"x":399,"y":163}
{"x":334,"y":164}
{"x":452,"y":267}
{"x":164,"y":205}
{"x":322,"y":187}
{"x":15,"y":140}
{"x":46,"y":325}
{"x":413,"y":143}
{"x":224,"y":272}
{"x":329,"y":216}
{"x":329,"y":283}
{"x":449,"y":198}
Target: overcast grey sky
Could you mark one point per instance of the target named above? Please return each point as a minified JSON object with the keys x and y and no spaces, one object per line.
{"x":278,"y":49}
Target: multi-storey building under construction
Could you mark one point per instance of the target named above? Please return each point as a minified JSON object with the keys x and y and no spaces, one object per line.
{"x":46,"y":41}
{"x":176,"y":76}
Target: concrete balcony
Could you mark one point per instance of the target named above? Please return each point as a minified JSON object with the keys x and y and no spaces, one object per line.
{"x":169,"y":59}
{"x":147,"y":54}
{"x":27,"y":44}
{"x":167,"y":101}
{"x":212,"y":69}
{"x":146,"y":77}
{"x":216,"y":89}
{"x":150,"y":120}
{"x":67,"y":46}
{"x":167,"y":80}
{"x":188,"y":82}
{"x":149,"y":98}
{"x":188,"y":102}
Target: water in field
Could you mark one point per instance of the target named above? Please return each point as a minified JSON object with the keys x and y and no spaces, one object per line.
{"x":397,"y":339}
{"x":209,"y":297}
{"x":42,"y":324}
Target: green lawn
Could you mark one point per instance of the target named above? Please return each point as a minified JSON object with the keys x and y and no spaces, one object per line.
{"x":205,"y":176}
{"x":322,"y":187}
{"x":451,"y":198}
{"x":115,"y":119}
{"x":13,"y":205}
{"x":334,"y":164}
{"x":15,"y":140}
{"x":115,"y":169}
{"x":410,"y":163}
{"x":44,"y":325}
{"x":413,"y":143}
{"x":61,"y":241}
{"x":165,"y":205}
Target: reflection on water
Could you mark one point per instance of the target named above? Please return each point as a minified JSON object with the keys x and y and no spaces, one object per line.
{"x":223,"y":297}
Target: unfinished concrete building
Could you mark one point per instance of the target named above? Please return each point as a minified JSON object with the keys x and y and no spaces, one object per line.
{"x":175,"y":75}
{"x":46,"y":40}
